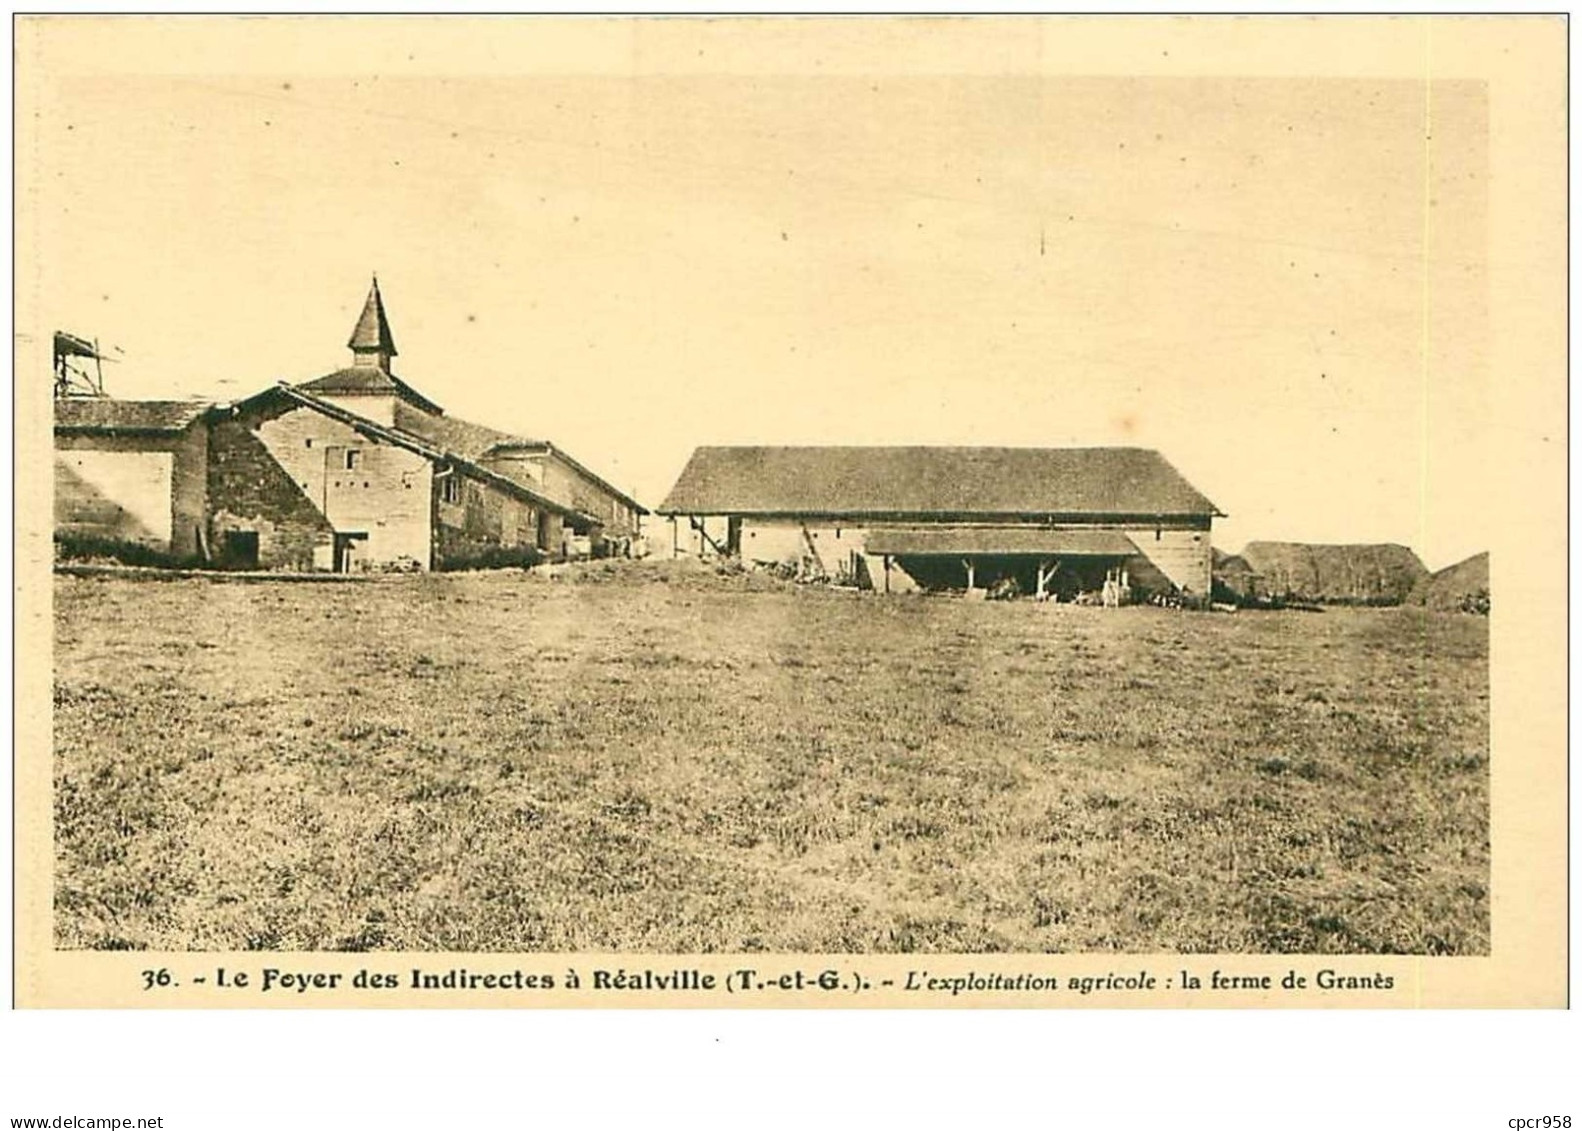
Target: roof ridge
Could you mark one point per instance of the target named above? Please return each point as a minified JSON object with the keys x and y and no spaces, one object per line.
{"x":369,"y":379}
{"x":894,"y":480}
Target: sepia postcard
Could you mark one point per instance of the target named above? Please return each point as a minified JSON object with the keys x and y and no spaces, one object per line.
{"x":791,"y":512}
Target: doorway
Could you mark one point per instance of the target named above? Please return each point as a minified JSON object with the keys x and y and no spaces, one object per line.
{"x":240,"y":549}
{"x":351,"y":551}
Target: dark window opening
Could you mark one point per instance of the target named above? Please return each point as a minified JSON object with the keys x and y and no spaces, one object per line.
{"x":353,"y":459}
{"x":240,"y":549}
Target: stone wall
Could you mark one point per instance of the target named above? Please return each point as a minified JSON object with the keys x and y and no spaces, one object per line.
{"x":359,"y":485}
{"x":249,"y":490}
{"x":480,"y":522}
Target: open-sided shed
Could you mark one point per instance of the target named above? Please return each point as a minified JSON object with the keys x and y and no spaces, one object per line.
{"x":946,"y":517}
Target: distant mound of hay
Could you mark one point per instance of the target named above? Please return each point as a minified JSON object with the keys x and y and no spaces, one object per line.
{"x":1378,"y":574}
{"x":1234,"y":580}
{"x":1463,"y":587}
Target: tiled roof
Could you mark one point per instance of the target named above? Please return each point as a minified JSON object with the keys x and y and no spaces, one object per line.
{"x":370,"y":380}
{"x":104,"y":414}
{"x":476,"y":442}
{"x":470,"y":440}
{"x":933,"y":481}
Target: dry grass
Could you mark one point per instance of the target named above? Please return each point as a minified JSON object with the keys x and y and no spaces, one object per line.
{"x":653,"y":757}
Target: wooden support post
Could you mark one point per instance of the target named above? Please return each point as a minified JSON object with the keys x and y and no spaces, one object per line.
{"x":675,"y":538}
{"x":812,"y":553}
{"x":1046,"y":575}
{"x":702,"y":527}
{"x":887,"y":573}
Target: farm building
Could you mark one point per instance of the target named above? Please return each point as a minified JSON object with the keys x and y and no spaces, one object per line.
{"x":1382,"y":574}
{"x":1055,"y":521}
{"x":131,"y":472}
{"x":353,"y":471}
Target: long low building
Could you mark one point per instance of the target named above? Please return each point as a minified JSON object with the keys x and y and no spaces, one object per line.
{"x":351,"y":471}
{"x":1059,"y":521}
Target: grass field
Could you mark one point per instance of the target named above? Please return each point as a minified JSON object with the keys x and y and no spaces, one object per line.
{"x":656,"y":757}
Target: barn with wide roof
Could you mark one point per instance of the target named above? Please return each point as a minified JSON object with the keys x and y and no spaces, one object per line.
{"x":1056,"y":521}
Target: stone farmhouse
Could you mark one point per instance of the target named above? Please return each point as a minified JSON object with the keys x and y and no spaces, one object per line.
{"x":1059,"y":521}
{"x":353,"y":471}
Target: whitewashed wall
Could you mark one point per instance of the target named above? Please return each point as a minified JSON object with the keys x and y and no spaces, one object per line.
{"x":137,"y":483}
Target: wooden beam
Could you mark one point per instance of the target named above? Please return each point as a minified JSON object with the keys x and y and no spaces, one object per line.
{"x":702,"y":529}
{"x":812,"y":552}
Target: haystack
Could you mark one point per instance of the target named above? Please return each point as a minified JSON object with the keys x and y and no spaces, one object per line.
{"x":1462,"y":587}
{"x":1376,"y":574}
{"x":1234,"y":580}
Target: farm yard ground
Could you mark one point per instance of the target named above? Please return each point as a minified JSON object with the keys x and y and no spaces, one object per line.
{"x":658,"y":757}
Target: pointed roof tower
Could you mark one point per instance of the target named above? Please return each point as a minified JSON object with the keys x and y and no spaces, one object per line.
{"x":371,"y":342}
{"x":369,"y":379}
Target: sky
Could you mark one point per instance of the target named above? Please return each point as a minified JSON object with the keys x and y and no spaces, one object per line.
{"x":1280,"y":283}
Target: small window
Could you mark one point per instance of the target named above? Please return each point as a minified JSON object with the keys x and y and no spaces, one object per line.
{"x":308,"y":442}
{"x":353,"y":459}
{"x":450,"y":489}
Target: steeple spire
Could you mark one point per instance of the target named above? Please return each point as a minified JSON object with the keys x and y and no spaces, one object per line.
{"x":371,"y":342}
